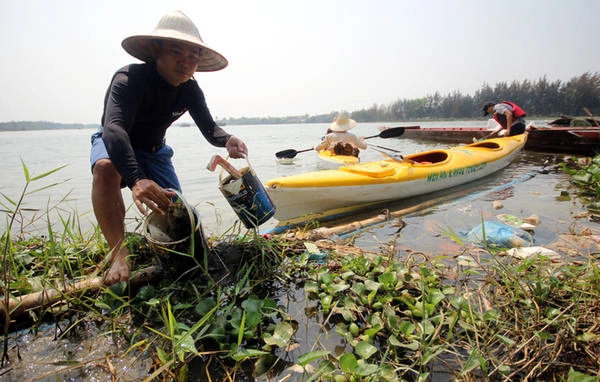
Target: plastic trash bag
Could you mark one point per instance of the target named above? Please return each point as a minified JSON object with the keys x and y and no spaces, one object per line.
{"x":499,"y":234}
{"x":526,"y":252}
{"x":314,"y":254}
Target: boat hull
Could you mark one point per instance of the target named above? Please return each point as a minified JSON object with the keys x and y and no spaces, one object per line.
{"x":309,"y":195}
{"x":561,"y":139}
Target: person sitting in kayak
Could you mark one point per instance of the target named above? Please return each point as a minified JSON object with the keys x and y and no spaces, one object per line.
{"x":509,"y":115}
{"x":339,"y":141}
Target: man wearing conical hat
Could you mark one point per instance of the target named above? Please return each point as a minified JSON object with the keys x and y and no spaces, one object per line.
{"x":142,"y":101}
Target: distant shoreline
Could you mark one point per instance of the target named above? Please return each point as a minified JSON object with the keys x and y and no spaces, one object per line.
{"x":43,"y":125}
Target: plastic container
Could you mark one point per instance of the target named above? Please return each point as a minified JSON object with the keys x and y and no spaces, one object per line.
{"x":245,"y":193}
{"x":173,"y":231}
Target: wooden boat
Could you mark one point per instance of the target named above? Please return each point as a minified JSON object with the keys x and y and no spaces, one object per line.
{"x":328,"y":160}
{"x":564,"y":135}
{"x":312,"y":195}
{"x":568,"y":121}
{"x":459,"y":135}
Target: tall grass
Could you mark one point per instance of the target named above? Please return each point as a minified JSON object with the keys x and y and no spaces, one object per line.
{"x":10,"y":268}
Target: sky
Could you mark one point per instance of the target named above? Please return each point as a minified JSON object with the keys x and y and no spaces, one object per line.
{"x":294,"y":57}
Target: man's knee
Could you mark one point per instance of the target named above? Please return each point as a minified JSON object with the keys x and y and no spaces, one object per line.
{"x":104,"y":171}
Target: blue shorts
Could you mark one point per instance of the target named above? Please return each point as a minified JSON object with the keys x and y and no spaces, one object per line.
{"x":157,"y":166}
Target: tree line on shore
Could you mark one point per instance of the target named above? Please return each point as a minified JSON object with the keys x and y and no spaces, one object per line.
{"x":538,"y":98}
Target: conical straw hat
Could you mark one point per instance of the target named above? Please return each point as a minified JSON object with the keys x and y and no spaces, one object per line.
{"x":177,"y":27}
{"x":342,"y":123}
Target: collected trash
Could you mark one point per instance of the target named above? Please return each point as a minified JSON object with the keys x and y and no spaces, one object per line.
{"x":499,"y":234}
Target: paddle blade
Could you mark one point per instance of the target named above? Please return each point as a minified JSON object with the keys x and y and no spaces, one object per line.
{"x":289,"y":153}
{"x":392,"y":132}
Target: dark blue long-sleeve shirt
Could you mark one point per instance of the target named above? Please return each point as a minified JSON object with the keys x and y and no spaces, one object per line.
{"x":139,"y":106}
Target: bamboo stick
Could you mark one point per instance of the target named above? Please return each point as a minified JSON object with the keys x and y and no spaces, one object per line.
{"x":356,"y":225}
{"x":19,"y":306}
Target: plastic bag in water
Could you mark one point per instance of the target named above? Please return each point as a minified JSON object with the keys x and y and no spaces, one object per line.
{"x":499,"y":234}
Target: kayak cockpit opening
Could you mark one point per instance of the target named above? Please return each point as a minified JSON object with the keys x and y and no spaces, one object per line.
{"x":486,"y":145}
{"x":429,"y":157}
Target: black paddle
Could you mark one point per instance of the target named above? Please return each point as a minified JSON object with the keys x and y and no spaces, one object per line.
{"x":475,"y":140}
{"x":417,"y":127}
{"x":387,"y":133}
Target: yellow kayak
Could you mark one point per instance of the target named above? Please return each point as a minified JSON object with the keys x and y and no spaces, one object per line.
{"x":327,"y":159}
{"x":311,"y":195}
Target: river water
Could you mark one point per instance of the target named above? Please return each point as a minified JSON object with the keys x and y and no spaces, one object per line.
{"x":43,"y":151}
{"x":520,"y":188}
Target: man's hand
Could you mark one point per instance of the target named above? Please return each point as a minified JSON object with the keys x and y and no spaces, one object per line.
{"x":149,"y":193}
{"x":236,"y":148}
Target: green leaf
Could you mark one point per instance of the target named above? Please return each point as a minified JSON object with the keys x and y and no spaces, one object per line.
{"x":306,"y":358}
{"x":505,"y":340}
{"x":326,"y":300}
{"x":372,"y":285}
{"x":339,"y":287}
{"x":348,"y":363}
{"x":366,"y":369}
{"x":412,"y":345}
{"x":371,"y":297}
{"x":358,"y":288}
{"x":252,"y":320}
{"x":44,"y":174}
{"x":163,"y":356}
{"x":543,"y":335}
{"x":252,"y":304}
{"x":282,"y":335}
{"x":242,"y":354}
{"x":205,"y":306}
{"x":9,"y":199}
{"x":435,"y":297}
{"x":407,"y":328}
{"x":326,"y":278}
{"x":325,"y":368}
{"x":146,"y":292}
{"x":588,"y":337}
{"x":153,"y":302}
{"x":185,"y":345}
{"x":577,"y":376}
{"x":388,"y":279}
{"x":269,"y":307}
{"x":311,"y":287}
{"x":346,"y":313}
{"x":473,"y":362}
{"x":25,"y":171}
{"x":364,"y":349}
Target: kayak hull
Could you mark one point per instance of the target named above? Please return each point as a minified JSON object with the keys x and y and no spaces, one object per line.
{"x":309,"y":195}
{"x":327,"y":160}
